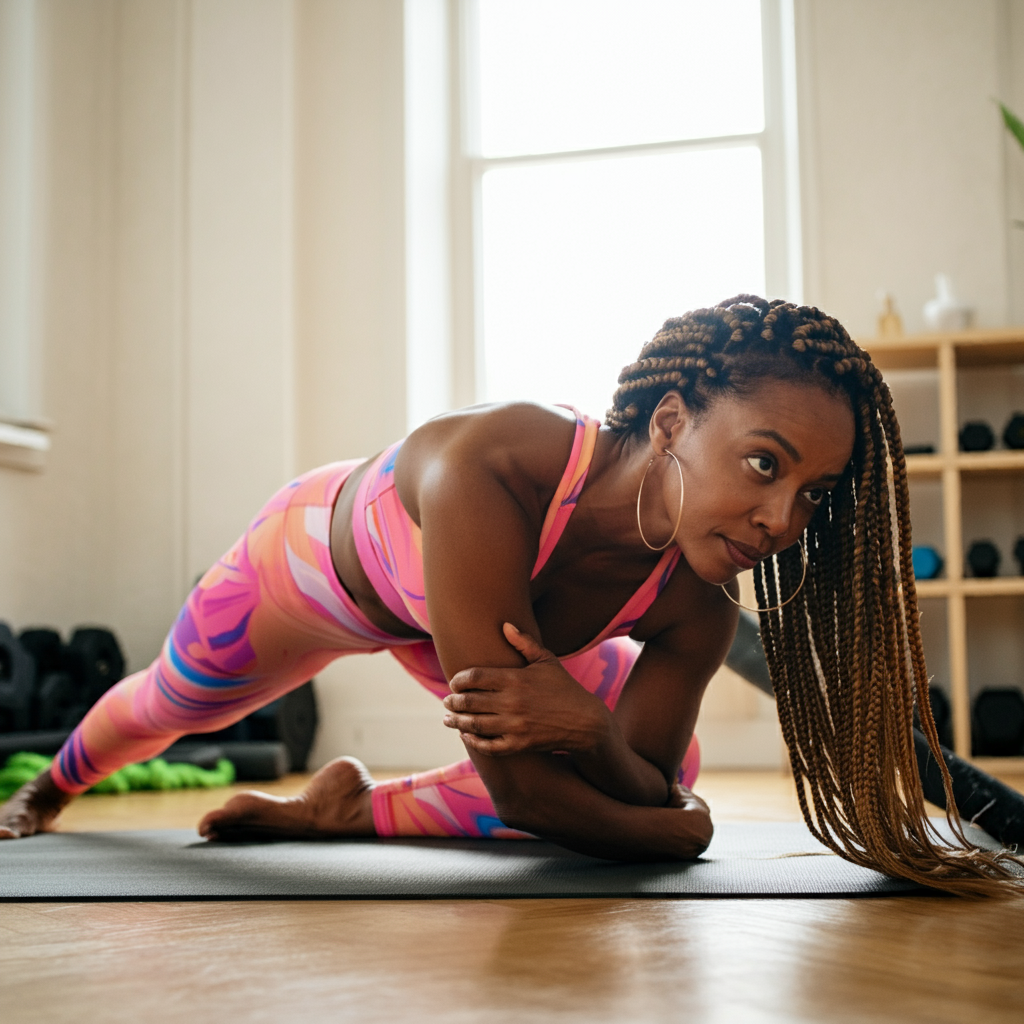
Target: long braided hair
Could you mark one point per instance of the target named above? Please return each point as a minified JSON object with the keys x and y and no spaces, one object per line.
{"x":845,"y":656}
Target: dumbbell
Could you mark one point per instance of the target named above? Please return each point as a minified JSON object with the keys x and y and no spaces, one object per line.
{"x":57,"y":701}
{"x":45,"y":647}
{"x":1018,"y":553}
{"x":976,"y":436}
{"x":998,"y":722}
{"x":927,"y":562}
{"x":983,"y":558}
{"x":95,"y":661}
{"x":941,"y":713}
{"x":17,"y":676}
{"x":1013,"y":435}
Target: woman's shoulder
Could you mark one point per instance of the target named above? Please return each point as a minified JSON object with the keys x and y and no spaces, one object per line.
{"x":499,"y":435}
{"x":525,"y":444}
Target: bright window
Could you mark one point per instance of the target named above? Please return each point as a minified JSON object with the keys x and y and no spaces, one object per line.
{"x":617,"y":153}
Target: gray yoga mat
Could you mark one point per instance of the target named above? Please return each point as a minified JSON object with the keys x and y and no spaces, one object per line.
{"x":744,"y":859}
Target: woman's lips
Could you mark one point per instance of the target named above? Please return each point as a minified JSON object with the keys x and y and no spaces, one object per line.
{"x":745,"y":557}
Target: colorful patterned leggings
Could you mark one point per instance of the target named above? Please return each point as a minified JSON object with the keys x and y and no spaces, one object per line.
{"x":267,"y":617}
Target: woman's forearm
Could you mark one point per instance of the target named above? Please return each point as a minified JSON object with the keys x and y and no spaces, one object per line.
{"x":546,"y":796}
{"x":612,"y":766}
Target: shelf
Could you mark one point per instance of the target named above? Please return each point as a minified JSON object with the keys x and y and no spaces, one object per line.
{"x":926,"y":465}
{"x":989,"y":462}
{"x":999,"y":765}
{"x":944,"y":356}
{"x":991,"y":347}
{"x":997,"y":586}
{"x":1000,"y":461}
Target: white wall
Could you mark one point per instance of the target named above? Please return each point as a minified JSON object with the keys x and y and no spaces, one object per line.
{"x":903,"y":153}
{"x":57,"y":535}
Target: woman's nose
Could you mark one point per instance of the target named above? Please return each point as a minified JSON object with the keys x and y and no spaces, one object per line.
{"x":775,"y":516}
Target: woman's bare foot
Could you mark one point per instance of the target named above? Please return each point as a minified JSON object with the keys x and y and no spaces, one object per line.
{"x":33,"y":808}
{"x":335,"y":803}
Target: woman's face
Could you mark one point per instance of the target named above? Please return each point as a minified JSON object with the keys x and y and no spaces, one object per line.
{"x":755,"y":467}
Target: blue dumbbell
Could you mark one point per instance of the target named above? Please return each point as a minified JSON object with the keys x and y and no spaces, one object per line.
{"x":927,"y":563}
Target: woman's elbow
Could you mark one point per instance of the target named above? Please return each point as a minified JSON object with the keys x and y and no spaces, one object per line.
{"x":519,"y":815}
{"x":695,"y":835}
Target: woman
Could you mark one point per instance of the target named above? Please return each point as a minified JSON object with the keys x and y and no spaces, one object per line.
{"x":503,"y":554}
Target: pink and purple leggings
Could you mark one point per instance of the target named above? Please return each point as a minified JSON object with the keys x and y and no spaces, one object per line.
{"x":267,"y":617}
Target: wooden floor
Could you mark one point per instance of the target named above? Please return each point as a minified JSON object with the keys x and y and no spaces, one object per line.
{"x":907,"y":959}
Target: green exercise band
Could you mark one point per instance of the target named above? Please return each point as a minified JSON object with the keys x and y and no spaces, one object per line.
{"x":156,"y":774}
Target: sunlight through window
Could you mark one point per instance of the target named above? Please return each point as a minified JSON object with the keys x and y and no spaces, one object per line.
{"x":618,"y":144}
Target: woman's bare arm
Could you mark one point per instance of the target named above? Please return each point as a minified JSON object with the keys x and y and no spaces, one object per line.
{"x":480,"y":519}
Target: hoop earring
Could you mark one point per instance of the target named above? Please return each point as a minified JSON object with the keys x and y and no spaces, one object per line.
{"x":774,"y":608}
{"x":679,"y":515}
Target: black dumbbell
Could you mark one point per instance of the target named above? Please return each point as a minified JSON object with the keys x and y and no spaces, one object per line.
{"x":976,"y":436}
{"x":46,"y":648}
{"x":17,"y":678}
{"x":57,"y":702}
{"x":1013,"y":435}
{"x":941,"y":713}
{"x":998,"y":722}
{"x":983,"y":558}
{"x":1018,"y":553}
{"x":95,"y":660}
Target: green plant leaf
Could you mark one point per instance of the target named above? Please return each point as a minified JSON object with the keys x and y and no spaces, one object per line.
{"x":1013,"y":123}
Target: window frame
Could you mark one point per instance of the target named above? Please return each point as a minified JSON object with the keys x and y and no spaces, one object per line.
{"x":777,"y":142}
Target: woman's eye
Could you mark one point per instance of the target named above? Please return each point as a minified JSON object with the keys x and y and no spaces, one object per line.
{"x":816,"y":495}
{"x":763,"y":465}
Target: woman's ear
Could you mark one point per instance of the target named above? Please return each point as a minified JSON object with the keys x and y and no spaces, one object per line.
{"x":668,"y":421}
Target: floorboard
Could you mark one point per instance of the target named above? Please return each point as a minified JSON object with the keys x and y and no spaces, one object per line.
{"x":798,"y":960}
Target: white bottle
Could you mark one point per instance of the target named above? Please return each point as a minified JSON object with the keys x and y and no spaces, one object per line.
{"x":945,"y":312}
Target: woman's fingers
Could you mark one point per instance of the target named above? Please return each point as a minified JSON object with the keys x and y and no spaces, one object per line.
{"x":467,"y":703}
{"x":495,"y":746}
{"x":477,"y":679}
{"x":526,"y":645}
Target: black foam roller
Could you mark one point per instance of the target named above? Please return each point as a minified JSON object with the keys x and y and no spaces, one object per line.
{"x":257,"y":760}
{"x":991,"y":804}
{"x":980,"y":798}
{"x":17,"y":679}
{"x":746,"y":655}
{"x":202,"y":755}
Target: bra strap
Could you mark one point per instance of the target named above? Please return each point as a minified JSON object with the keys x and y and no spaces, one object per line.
{"x":569,"y":487}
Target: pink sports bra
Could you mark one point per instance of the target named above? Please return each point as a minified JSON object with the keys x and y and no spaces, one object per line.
{"x":390,"y":545}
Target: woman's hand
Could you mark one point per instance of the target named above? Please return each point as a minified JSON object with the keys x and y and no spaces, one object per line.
{"x":538,"y":707}
{"x":34,"y":808}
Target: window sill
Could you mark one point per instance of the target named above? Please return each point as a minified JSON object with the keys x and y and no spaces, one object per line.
{"x":23,"y":445}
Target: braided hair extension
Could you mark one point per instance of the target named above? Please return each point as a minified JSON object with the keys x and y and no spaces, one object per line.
{"x":845,"y":656}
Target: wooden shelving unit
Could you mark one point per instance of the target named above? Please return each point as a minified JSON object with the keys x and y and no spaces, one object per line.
{"x":948,"y":353}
